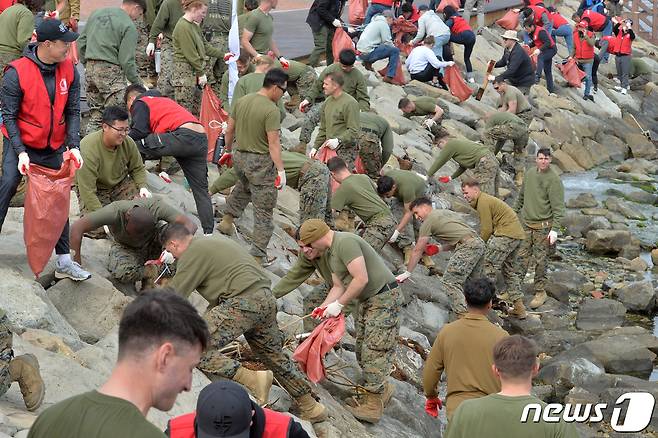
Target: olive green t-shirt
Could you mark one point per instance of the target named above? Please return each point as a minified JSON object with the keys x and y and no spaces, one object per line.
{"x":465,"y":152}
{"x":514,"y":94}
{"x":357,"y":193}
{"x":410,"y":186}
{"x":348,"y":246}
{"x":355,"y":85}
{"x":255,"y":115}
{"x":425,"y":106}
{"x":113,"y":215}
{"x":500,"y":117}
{"x":191,"y":47}
{"x":300,"y":271}
{"x":444,"y":227}
{"x":165,"y":22}
{"x":295,"y":70}
{"x":93,"y":414}
{"x":262,"y":27}
{"x":251,"y":83}
{"x":16,"y":27}
{"x":339,"y":119}
{"x":218,"y":268}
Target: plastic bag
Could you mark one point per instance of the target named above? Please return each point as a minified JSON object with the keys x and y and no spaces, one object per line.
{"x":310,"y":353}
{"x":533,"y":58}
{"x":454,"y":3}
{"x":572,"y":73}
{"x":509,"y":21}
{"x":341,"y":42}
{"x":399,"y":78}
{"x":212,"y":117}
{"x":47,"y":199}
{"x":452,"y":76}
{"x":356,"y":11}
{"x":324,"y":155}
{"x":73,"y":53}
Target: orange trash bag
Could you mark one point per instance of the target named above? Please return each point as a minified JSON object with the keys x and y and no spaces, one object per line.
{"x":452,"y":76}
{"x":509,"y":21}
{"x":73,"y":53}
{"x":454,"y":3}
{"x":47,"y":199}
{"x":341,"y":41}
{"x":212,"y":116}
{"x":399,"y":78}
{"x":324,"y":155}
{"x":572,"y":73}
{"x":310,"y":353}
{"x":530,"y":50}
{"x":356,"y":11}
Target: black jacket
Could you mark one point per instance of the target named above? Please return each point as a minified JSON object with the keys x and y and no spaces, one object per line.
{"x":323,"y":13}
{"x":140,"y":117}
{"x":11,"y":97}
{"x":520,"y":71}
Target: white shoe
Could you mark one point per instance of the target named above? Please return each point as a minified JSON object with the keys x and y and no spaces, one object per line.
{"x":471,"y":80}
{"x":617,"y":87}
{"x":616,"y":80}
{"x":71,"y":270}
{"x":624,"y":91}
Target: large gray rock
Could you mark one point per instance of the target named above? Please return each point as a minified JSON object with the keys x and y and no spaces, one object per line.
{"x":617,"y":354}
{"x":624,"y":208}
{"x":640,"y":146}
{"x":607,"y":241}
{"x":563,"y":373}
{"x":600,"y":314}
{"x":563,"y":283}
{"x":583,"y":200}
{"x":639,"y":296}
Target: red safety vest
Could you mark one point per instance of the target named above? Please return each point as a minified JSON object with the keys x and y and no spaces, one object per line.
{"x":623,"y":44}
{"x":41,"y":124}
{"x":612,"y":43}
{"x":459,"y":25}
{"x":596,"y":20}
{"x":538,"y":42}
{"x":557,"y":19}
{"x":538,"y":11}
{"x":166,"y":115}
{"x":388,"y":3}
{"x":276,"y":425}
{"x":584,"y":50}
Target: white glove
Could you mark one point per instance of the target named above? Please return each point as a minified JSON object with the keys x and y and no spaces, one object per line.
{"x":202,"y":80}
{"x":23,"y":163}
{"x":312,"y":153}
{"x":336,"y":22}
{"x":144,"y":193}
{"x":451,"y":63}
{"x":304,"y":105}
{"x":536,"y":52}
{"x":150,"y":49}
{"x":77,"y":157}
{"x":165,"y":177}
{"x":332,"y":143}
{"x":166,"y":257}
{"x":429,"y":123}
{"x":552,"y":237}
{"x":284,"y":63}
{"x":333,"y":310}
{"x":280,"y":181}
{"x":403,"y":277}
{"x":491,"y":77}
{"x":394,"y":237}
{"x":160,"y":36}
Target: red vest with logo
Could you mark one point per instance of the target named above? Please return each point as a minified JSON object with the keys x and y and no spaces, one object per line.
{"x":622,"y":44}
{"x":276,"y":425}
{"x":557,"y":19}
{"x":612,"y":43}
{"x":584,"y":50}
{"x":41,"y":124}
{"x":165,"y":114}
{"x":596,"y":20}
{"x":538,"y":11}
{"x":459,"y":25}
{"x":535,"y":37}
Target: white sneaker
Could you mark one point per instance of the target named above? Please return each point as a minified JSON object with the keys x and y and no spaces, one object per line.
{"x":617,"y":87}
{"x":471,"y":80}
{"x":617,"y":80}
{"x":71,"y":270}
{"x":624,"y":91}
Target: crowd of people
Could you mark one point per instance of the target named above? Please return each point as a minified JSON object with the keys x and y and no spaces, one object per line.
{"x":162,"y":338}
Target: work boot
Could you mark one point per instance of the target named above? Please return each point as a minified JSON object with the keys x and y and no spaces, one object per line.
{"x":368,"y":65}
{"x":389,"y":390}
{"x":504,"y":296}
{"x":258,"y":383}
{"x":226,"y":225}
{"x":25,"y":370}
{"x":310,"y":409}
{"x":300,"y":148}
{"x":370,"y":408}
{"x":427,"y":262}
{"x":407,"y":254}
{"x":538,"y":300}
{"x":519,"y":310}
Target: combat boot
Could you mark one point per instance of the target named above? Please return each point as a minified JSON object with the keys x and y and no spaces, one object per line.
{"x":258,"y":383}
{"x":427,"y":262}
{"x":25,"y":370}
{"x":300,"y":148}
{"x":407,"y":254}
{"x":519,"y":310}
{"x":389,"y":390}
{"x":226,"y":225}
{"x":310,"y":409}
{"x":370,"y":408}
{"x":538,"y":300}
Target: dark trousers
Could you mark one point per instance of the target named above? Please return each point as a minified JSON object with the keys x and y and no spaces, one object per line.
{"x":545,"y":64}
{"x":11,"y":178}
{"x":466,"y":39}
{"x":190,"y":149}
{"x":428,"y":74}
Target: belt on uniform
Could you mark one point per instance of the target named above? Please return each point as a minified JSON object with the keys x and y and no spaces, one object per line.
{"x":537,"y":225}
{"x":389,"y":286}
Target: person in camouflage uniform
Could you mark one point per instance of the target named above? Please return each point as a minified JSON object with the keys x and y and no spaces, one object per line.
{"x":503,"y":126}
{"x":22,"y":369}
{"x":145,"y":65}
{"x":433,"y":110}
{"x":301,"y":78}
{"x":240,"y":303}
{"x":162,"y":29}
{"x":375,"y":143}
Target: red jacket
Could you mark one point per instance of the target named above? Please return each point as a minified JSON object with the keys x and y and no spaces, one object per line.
{"x":459,"y":25}
{"x":612,"y":43}
{"x":622,"y":45}
{"x":584,"y":50}
{"x":538,"y":42}
{"x":538,"y":12}
{"x":41,"y":124}
{"x":388,"y":3}
{"x":276,"y":425}
{"x":557,"y":19}
{"x":597,"y":21}
{"x":165,"y":114}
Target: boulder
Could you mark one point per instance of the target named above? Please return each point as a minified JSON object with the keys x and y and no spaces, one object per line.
{"x":602,"y":106}
{"x":639,"y":296}
{"x":563,"y":373}
{"x":580,"y":155}
{"x":583,"y":200}
{"x":597,"y":223}
{"x":598,"y":152}
{"x":640,"y":146}
{"x":638,"y":165}
{"x":624,"y":208}
{"x":602,"y":314}
{"x":607,"y":241}
{"x":618,"y":355}
{"x":562,"y":283}
{"x":566,"y":162}
{"x":575,"y":223}
{"x":654,"y":256}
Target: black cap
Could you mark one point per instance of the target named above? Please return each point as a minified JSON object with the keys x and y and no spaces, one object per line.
{"x":223,"y":410}
{"x":52,"y":30}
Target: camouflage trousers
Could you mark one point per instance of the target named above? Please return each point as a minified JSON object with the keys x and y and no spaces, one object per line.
{"x":145,"y":66}
{"x":165,"y":85}
{"x":126,"y":265}
{"x":535,"y":246}
{"x":215,"y":68}
{"x":315,"y":193}
{"x":303,"y":84}
{"x":466,"y":262}
{"x":256,"y":175}
{"x":527,"y":116}
{"x":186,"y":92}
{"x":311,"y":120}
{"x":502,"y":255}
{"x":377,"y":328}
{"x":105,"y":85}
{"x":379,"y":229}
{"x":6,"y":354}
{"x":370,"y":152}
{"x":124,"y":191}
{"x":496,"y":136}
{"x":348,"y":152}
{"x":409,"y":233}
{"x":252,"y":314}
{"x":486,"y":173}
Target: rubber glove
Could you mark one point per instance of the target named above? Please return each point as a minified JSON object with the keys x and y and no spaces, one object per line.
{"x":312,"y":153}
{"x":333,"y":310}
{"x":332,"y":143}
{"x":394,"y":237}
{"x":166,"y":257}
{"x":429,"y":123}
{"x":144,"y":193}
{"x":432,"y":249}
{"x":552,"y":237}
{"x":226,"y":159}
{"x":165,"y":177}
{"x":445,"y":179}
{"x":284,"y":63}
{"x":23,"y":163}
{"x":77,"y":158}
{"x":317,"y":312}
{"x":403,"y":277}
{"x":336,"y":22}
{"x":280,"y":181}
{"x":303,"y":106}
{"x":150,"y":49}
{"x":432,"y":406}
{"x":202,"y":81}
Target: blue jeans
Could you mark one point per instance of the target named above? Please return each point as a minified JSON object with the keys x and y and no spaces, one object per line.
{"x":374,"y":9}
{"x":383,"y":51}
{"x":566,"y":32}
{"x":466,"y":39}
{"x":587,"y":68}
{"x":439,"y":42}
{"x":545,"y":64}
{"x":607,"y":31}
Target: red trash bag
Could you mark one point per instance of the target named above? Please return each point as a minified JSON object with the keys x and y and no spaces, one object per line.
{"x":530,"y":50}
{"x":454,"y":3}
{"x":399,"y":78}
{"x":356,"y":11}
{"x":73,"y":53}
{"x":572,"y":73}
{"x":612,"y":43}
{"x":47,"y":198}
{"x":341,"y":42}
{"x":509,"y":21}
{"x":310,"y":353}
{"x":452,"y":76}
{"x":358,"y":165}
{"x":324,"y":155}
{"x":212,"y":116}
{"x":4,"y":4}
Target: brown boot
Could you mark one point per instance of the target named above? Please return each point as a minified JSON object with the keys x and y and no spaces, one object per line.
{"x":25,"y":370}
{"x":300,"y":148}
{"x":370,"y":408}
{"x":368,"y":66}
{"x":388,"y":80}
{"x":538,"y":300}
{"x":389,"y":390}
{"x":310,"y":409}
{"x":407,"y":254}
{"x":519,"y":310}
{"x":427,"y":262}
{"x":258,"y":383}
{"x":226,"y":226}
{"x":343,"y":222}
